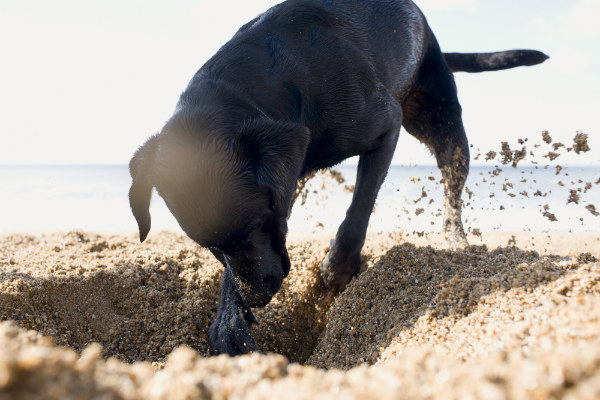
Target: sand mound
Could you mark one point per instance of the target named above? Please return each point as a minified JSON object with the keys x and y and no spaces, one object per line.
{"x":141,"y":301}
{"x":503,"y":323}
{"x":30,"y":367}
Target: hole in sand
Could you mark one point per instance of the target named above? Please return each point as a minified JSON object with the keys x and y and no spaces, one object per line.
{"x":142,"y":301}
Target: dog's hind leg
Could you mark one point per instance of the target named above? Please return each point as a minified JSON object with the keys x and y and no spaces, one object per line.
{"x":343,"y":260}
{"x":433,"y":115}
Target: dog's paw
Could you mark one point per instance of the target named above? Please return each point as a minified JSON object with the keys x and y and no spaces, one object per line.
{"x":454,"y":233}
{"x":456,"y":240}
{"x":230,"y":333}
{"x":337,"y":273}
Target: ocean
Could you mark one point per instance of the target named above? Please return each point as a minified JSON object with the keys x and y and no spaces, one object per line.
{"x":529,"y":198}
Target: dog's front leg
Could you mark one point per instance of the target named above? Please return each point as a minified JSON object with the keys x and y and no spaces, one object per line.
{"x":343,"y":260}
{"x":230,"y":332}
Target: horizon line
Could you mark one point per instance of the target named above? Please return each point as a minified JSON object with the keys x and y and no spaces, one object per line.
{"x":343,"y":164}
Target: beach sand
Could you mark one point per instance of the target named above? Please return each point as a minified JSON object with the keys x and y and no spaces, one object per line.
{"x":102,"y":316}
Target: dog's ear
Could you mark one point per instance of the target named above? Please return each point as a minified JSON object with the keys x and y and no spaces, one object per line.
{"x":140,"y":193}
{"x":276,"y":150}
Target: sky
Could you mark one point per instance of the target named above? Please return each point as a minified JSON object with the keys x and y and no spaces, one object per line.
{"x":86,"y":82}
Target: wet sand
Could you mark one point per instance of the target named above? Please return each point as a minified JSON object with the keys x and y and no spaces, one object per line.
{"x":89,"y":315}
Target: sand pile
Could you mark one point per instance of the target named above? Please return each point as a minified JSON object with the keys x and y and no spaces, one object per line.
{"x":30,"y":367}
{"x":141,"y":301}
{"x":418,"y":322}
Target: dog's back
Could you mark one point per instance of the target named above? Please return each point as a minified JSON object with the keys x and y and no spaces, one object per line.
{"x":318,"y":63}
{"x":313,"y":43}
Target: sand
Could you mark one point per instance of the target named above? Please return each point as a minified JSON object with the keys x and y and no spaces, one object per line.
{"x":103,"y":316}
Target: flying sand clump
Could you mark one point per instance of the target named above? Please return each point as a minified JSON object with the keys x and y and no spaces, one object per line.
{"x":506,"y":155}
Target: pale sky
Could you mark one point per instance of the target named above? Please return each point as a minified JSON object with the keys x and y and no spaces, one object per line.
{"x":88,"y":81}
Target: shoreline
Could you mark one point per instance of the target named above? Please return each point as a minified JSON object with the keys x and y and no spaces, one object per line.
{"x":559,"y":243}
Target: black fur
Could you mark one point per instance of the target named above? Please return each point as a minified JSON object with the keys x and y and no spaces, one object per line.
{"x":481,"y":62}
{"x":301,"y":87}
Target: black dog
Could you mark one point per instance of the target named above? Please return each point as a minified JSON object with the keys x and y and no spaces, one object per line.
{"x":301,"y":87}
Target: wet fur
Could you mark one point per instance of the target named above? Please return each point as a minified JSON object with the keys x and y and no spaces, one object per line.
{"x":303,"y":86}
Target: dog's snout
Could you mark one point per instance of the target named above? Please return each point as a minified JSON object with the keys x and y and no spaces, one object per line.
{"x":273,"y":283}
{"x":260,"y":292}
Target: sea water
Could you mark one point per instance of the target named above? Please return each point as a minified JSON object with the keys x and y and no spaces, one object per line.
{"x":95,"y":198}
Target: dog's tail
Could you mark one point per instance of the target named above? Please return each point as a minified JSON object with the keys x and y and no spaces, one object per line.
{"x":481,"y":62}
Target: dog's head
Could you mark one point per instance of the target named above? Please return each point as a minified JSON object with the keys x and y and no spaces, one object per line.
{"x":215,"y":195}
